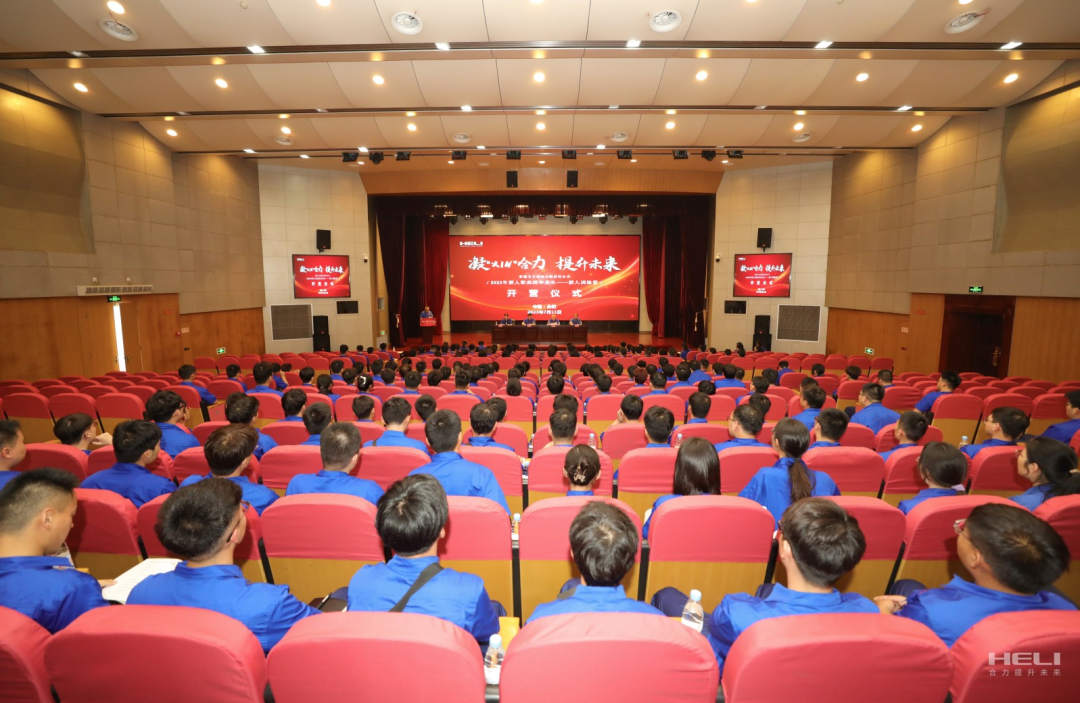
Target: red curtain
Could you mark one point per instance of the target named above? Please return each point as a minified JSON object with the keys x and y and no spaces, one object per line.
{"x":694,"y":233}
{"x":436,"y":260}
{"x":391,"y":225}
{"x":675,"y":262}
{"x":652,"y":264}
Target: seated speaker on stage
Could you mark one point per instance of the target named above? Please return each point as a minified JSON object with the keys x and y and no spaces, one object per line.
{"x":506,"y":320}
{"x":554,"y":321}
{"x":426,"y":315}
{"x":529,"y":320}
{"x":575,"y":321}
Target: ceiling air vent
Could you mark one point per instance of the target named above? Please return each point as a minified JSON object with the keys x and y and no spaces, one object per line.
{"x":619,"y":137}
{"x":800,"y":138}
{"x":126,"y":289}
{"x":461,"y":138}
{"x":964,"y":22}
{"x":665,"y":21}
{"x":407,"y":23}
{"x":283,"y":141}
{"x":119,"y":30}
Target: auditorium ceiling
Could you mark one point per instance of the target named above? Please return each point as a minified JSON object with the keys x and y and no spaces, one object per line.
{"x":298,"y":82}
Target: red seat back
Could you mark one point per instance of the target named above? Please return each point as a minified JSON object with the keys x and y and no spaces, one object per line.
{"x":886,"y":437}
{"x":582,"y":435}
{"x":902,"y":475}
{"x":1050,"y":406}
{"x":1013,"y":400}
{"x":738,"y":466}
{"x":71,"y":403}
{"x":901,"y":398}
{"x":518,"y":408}
{"x":674,"y":403}
{"x":203,"y":431}
{"x":849,"y":390}
{"x":510,"y":435}
{"x":57,"y":456}
{"x":247,"y":550}
{"x":192,"y":462}
{"x":280,"y":464}
{"x":121,"y":406}
{"x":104,"y":524}
{"x":647,"y":471}
{"x":23,"y":677}
{"x":104,"y":458}
{"x":269,"y":406}
{"x":858,"y":436}
{"x":853,"y":469}
{"x":546,"y":472}
{"x":739,"y":531}
{"x":322,"y":526}
{"x":223,"y":388}
{"x":708,"y":431}
{"x":384,"y":465}
{"x":958,"y":406}
{"x":27,"y":405}
{"x":460,"y":404}
{"x":601,"y":407}
{"x":620,"y":439}
{"x":286,"y":433}
{"x":545,"y":406}
{"x":993,"y":470}
{"x":505,"y":466}
{"x":929,"y":532}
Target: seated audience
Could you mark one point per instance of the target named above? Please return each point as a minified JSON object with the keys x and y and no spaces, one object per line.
{"x":425,"y":407}
{"x":699,"y":405}
{"x":743,"y":427}
{"x":885,"y":378}
{"x":728,"y":380}
{"x":336,"y":367}
{"x":482,"y":419}
{"x":316,"y":417}
{"x":1051,"y":466}
{"x":243,"y":409}
{"x":949,"y":382}
{"x":812,"y":400}
{"x":325,"y":386}
{"x":292,"y":404}
{"x":306,"y":375}
{"x":187,"y":378}
{"x":943,"y":468}
{"x":872,"y":413}
{"x":169,"y":411}
{"x":412,"y":383}
{"x":262,"y":372}
{"x":697,"y":473}
{"x":829,"y":427}
{"x":562,"y":426}
{"x":12,"y":449}
{"x":232,"y":372}
{"x":658,"y":384}
{"x":79,"y":430}
{"x":630,"y":410}
{"x":659,"y":422}
{"x":136,"y":443}
{"x":396,"y":415}
{"x":363,"y":406}
{"x":339,"y":447}
{"x":228,"y":451}
{"x":458,"y":476}
{"x":1003,"y":426}
{"x":1064,"y":431}
{"x":910,"y":428}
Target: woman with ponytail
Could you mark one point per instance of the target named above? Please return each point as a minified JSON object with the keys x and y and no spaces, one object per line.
{"x":1050,"y":465}
{"x":697,"y":473}
{"x":581,"y":468}
{"x":789,"y":479}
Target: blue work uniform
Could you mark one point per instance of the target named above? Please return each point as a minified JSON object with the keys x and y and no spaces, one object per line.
{"x":875,"y":416}
{"x":972,"y":449}
{"x":489,"y":442}
{"x":266,"y":443}
{"x":697,"y":377}
{"x":594,"y":599}
{"x":204,"y":395}
{"x":722,"y":382}
{"x":528,"y":321}
{"x":460,"y":477}
{"x":822,"y":444}
{"x":656,"y":504}
{"x":572,"y":493}
{"x":1034,"y":496}
{"x":265,"y":389}
{"x":780,"y":374}
{"x":291,"y":418}
{"x":736,"y":442}
{"x":451,"y":595}
{"x":337,"y":482}
{"x":926,"y":403}
{"x":336,"y":377}
{"x":175,"y":439}
{"x":807,"y":417}
{"x":952,"y":609}
{"x":925,"y":494}
{"x":268,"y":610}
{"x":656,"y":391}
{"x":258,"y":495}
{"x":885,"y":455}
{"x":683,"y":384}
{"x":1063,"y":431}
{"x":313,"y":440}
{"x":279,"y":382}
{"x":771,"y":487}
{"x":132,"y":481}
{"x":47,"y":590}
{"x":394,"y":438}
{"x":426,"y":315}
{"x":6,"y":476}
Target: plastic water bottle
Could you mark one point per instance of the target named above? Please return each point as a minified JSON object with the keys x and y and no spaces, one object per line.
{"x":493,"y":660}
{"x":693,"y":616}
{"x":515,"y":525}
{"x":678,"y":440}
{"x":964,"y":441}
{"x":592,"y":440}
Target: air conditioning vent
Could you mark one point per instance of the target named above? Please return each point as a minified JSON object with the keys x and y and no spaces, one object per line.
{"x":127,"y":289}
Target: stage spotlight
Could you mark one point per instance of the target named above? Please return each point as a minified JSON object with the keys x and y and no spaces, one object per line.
{"x":458,"y":155}
{"x":624,"y":154}
{"x":483,"y":220}
{"x":680,"y":154}
{"x":569,"y":154}
{"x":708,"y":154}
{"x":573,"y":219}
{"x":348,"y":157}
{"x":376,"y":157}
{"x":513,"y":155}
{"x":633,"y":219}
{"x":603,"y":220}
{"x":403,"y":155}
{"x":514,"y":220}
{"x":734,"y":153}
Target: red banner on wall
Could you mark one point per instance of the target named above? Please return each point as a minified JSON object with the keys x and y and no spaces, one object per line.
{"x":321,"y":276}
{"x":593,"y":277}
{"x":762,"y":276}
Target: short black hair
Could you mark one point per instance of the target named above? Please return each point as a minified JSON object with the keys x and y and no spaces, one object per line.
{"x":482,"y":419}
{"x":555,"y":384}
{"x":338,"y":444}
{"x":293,"y":402}
{"x":29,"y":493}
{"x":603,"y":383}
{"x":316,"y":417}
{"x":885,"y":375}
{"x":700,"y":404}
{"x":697,"y":468}
{"x":659,"y":422}
{"x":748,"y":418}
{"x":443,"y":430}
{"x":658,"y":380}
{"x":1073,"y":398}
{"x":232,"y":369}
{"x":228,"y":446}
{"x":632,"y":406}
{"x":262,"y":372}
{"x":425,"y":406}
{"x":853,"y":372}
{"x":817,"y":369}
{"x":306,"y":374}
{"x":1013,"y":422}
{"x":565,"y":403}
{"x":952,"y":379}
{"x":413,"y":378}
{"x":760,"y":402}
{"x":388,"y":376}
{"x":185,"y":372}
{"x":134,"y":438}
{"x":1023,"y":552}
{"x":396,"y":410}
{"x":914,"y":424}
{"x":412,"y":513}
{"x":563,"y":425}
{"x":499,"y":406}
{"x":729,"y":371}
{"x":462,"y":379}
{"x":196,"y":520}
{"x":682,"y":372}
{"x":945,"y":464}
{"x":826,"y":542}
{"x":604,"y":543}
{"x":336,"y":366}
{"x":760,"y":384}
{"x":873,"y":392}
{"x":241,"y":408}
{"x":363,"y":406}
{"x":161,"y":406}
{"x":70,"y":428}
{"x":581,"y":465}
{"x":707,"y":387}
{"x":833,"y":423}
{"x":814,"y":396}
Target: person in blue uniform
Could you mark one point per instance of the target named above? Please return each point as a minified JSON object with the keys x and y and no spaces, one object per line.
{"x":169,"y":411}
{"x":818,"y":543}
{"x":12,"y":449}
{"x":812,"y":400}
{"x":829,"y":426}
{"x":657,"y":384}
{"x":782,"y":368}
{"x":696,"y":374}
{"x":363,"y":406}
{"x":136,"y":443}
{"x":698,"y":405}
{"x":554,"y":321}
{"x":603,"y":544}
{"x":228,"y":451}
{"x":1014,"y":559}
{"x":872,"y":413}
{"x":232,"y":372}
{"x":325,"y":385}
{"x":885,"y":378}
{"x":411,"y":519}
{"x":262,"y":372}
{"x":682,"y":376}
{"x":316,"y":417}
{"x":743,"y":427}
{"x":80,"y":431}
{"x":307,"y":374}
{"x":788,"y":480}
{"x":1064,"y":431}
{"x":581,"y":467}
{"x":339,"y":448}
{"x":631,"y":408}
{"x":529,"y":320}
{"x":292,"y":404}
{"x":1003,"y":427}
{"x":730,"y":378}
{"x":396,"y":415}
{"x":412,"y":383}
{"x":202,"y":524}
{"x":506,"y":320}
{"x":943,"y":469}
{"x":575,"y":321}
{"x":276,"y":378}
{"x":947,"y":383}
{"x":659,"y":422}
{"x":37,"y":509}
{"x":697,"y":473}
{"x":458,"y":476}
{"x":483,"y":420}
{"x":336,"y":367}
{"x":426,"y":314}
{"x":187,"y":376}
{"x":910,"y":428}
{"x":243,"y":409}
{"x":1051,"y":466}
{"x":760,"y":386}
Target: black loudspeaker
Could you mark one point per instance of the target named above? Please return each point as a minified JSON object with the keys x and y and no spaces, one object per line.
{"x":320,"y":332}
{"x":322,"y":239}
{"x":571,"y":179}
{"x":511,"y":179}
{"x":763,"y":340}
{"x":734,"y":307}
{"x":764,"y":237}
{"x":348,"y":307}
{"x":762,"y":324}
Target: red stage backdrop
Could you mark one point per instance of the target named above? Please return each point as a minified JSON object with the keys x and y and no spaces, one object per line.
{"x":762,"y":276}
{"x":320,"y":276}
{"x":596,"y":277}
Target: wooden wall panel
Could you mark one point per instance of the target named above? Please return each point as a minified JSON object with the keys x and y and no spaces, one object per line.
{"x":922,"y":345}
{"x":918,"y":349}
{"x":159,"y":328}
{"x":50,"y":337}
{"x":493,"y":180}
{"x":1046,"y":335}
{"x":239,"y":331}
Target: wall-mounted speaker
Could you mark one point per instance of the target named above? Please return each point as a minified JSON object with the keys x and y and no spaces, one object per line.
{"x":320,"y":333}
{"x":571,"y":179}
{"x":764,"y":237}
{"x":511,"y":179}
{"x":322,"y":239}
{"x":762,"y":324}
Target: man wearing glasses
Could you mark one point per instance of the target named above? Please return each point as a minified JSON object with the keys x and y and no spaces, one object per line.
{"x":873,"y":414}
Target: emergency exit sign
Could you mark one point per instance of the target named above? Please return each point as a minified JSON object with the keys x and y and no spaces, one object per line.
{"x":221,"y":350}
{"x":114,"y":298}
{"x":868,"y":350}
{"x":975,"y":289}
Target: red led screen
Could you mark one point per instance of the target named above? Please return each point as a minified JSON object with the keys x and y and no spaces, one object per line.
{"x":321,"y":276}
{"x":762,"y":276}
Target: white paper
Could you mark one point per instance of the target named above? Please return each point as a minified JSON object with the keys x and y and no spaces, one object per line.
{"x":135,"y":575}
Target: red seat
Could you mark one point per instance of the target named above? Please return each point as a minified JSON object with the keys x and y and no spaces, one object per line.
{"x":738,"y":466}
{"x":385,"y":392}
{"x":708,"y":431}
{"x":657,"y":659}
{"x":853,"y":656}
{"x":882,"y":363}
{"x":886,"y":437}
{"x":901,"y":398}
{"x":370,"y":431}
{"x":1041,"y":642}
{"x":478,"y":542}
{"x":382,"y":650}
{"x":620,"y":439}
{"x":1002,"y":400}
{"x":105,"y":457}
{"x":63,"y":388}
{"x":385,"y":465}
{"x":902,"y":477}
{"x":104,"y":537}
{"x":142,"y":392}
{"x":546,"y":479}
{"x":602,"y":411}
{"x":1063,"y":514}
{"x":581,"y":436}
{"x":674,"y":403}
{"x":460,"y":404}
{"x":114,"y":408}
{"x":855,"y":470}
{"x":794,"y":407}
{"x":883,"y":527}
{"x":1046,"y":410}
{"x":506,"y":467}
{"x":508,"y":434}
{"x":982,"y":392}
{"x":644,"y":476}
{"x":286,"y":433}
{"x":280,"y":464}
{"x":683,"y":393}
{"x":847,"y":394}
{"x":793,"y":379}
{"x":32,"y":412}
{"x":270,"y":409}
{"x":858,"y":436}
{"x":206,"y":363}
{"x":223,"y":388}
{"x":957,"y":415}
{"x":57,"y":456}
{"x":71,"y":403}
{"x":192,"y":462}
{"x":993,"y":472}
{"x":203,"y":431}
{"x":23,"y":678}
{"x":140,"y":652}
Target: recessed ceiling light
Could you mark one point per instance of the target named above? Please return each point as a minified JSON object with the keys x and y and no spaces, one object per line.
{"x":919,"y":113}
{"x":542,"y":162}
{"x":255,"y":49}
{"x":966,"y":2}
{"x":286,"y":130}
{"x":665,"y":21}
{"x":466,"y":108}
{"x":81,"y":88}
{"x":633,"y":43}
{"x":633,"y":161}
{"x":442,"y":46}
{"x":541,"y":112}
{"x":304,"y":156}
{"x":377,"y":79}
{"x":964,"y":22}
{"x":221,"y":83}
{"x":283,"y":141}
{"x":536,"y":2}
{"x":538,"y":77}
{"x":862,"y":77}
{"x":751,"y":0}
{"x":115,"y":7}
{"x":461,"y":137}
{"x":359,"y":163}
{"x":701,"y":75}
{"x":541,"y":125}
{"x":601,"y":146}
{"x":1011,"y":77}
{"x":171,"y":132}
{"x":903,"y":108}
{"x":410,"y":114}
{"x":481,"y":147}
{"x":669,"y":125}
{"x":283,"y":116}
{"x":916,"y":128}
{"x":804,"y":137}
{"x":363,"y":150}
{"x":324,"y":3}
{"x":823,"y":44}
{"x":670,"y":112}
{"x":800,"y":112}
{"x":451,"y":162}
{"x":169,"y":118}
{"x":798,"y":126}
{"x":1011,"y":45}
{"x":724,"y":161}
{"x":619,"y":137}
{"x":249,"y":151}
{"x":411,"y":127}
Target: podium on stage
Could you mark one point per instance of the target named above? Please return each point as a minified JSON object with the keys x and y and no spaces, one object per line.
{"x":427,"y":329}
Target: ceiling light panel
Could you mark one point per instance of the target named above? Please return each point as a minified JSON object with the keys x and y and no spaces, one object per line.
{"x":484,"y":129}
{"x":560,"y":86}
{"x":154,"y":24}
{"x":767,"y":20}
{"x":429,"y":131}
{"x":680,"y":86}
{"x":300,"y":84}
{"x":552,"y":20}
{"x":460,"y":82}
{"x":620,"y":81}
{"x":244,"y":92}
{"x":619,"y":20}
{"x":926,"y":21}
{"x":652,"y":132}
{"x":399,"y":89}
{"x":303,"y":134}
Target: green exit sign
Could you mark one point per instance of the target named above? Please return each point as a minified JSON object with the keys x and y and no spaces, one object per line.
{"x":221,"y":350}
{"x":975,"y":289}
{"x":114,"y":298}
{"x":868,"y":350}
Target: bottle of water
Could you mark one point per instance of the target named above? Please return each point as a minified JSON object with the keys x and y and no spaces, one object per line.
{"x":493,"y":660}
{"x":515,"y":525}
{"x":678,"y":440}
{"x":964,"y":441}
{"x":693,"y":616}
{"x":592,"y":440}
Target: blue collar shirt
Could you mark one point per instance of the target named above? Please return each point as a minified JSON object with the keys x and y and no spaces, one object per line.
{"x":451,"y":595}
{"x":394,"y":438}
{"x":265,"y":389}
{"x":972,"y":449}
{"x":697,"y":377}
{"x":266,"y":443}
{"x":571,"y":493}
{"x":279,"y":383}
{"x":1063,"y":431}
{"x":292,"y":418}
{"x":408,"y":392}
{"x":594,"y":599}
{"x":656,"y":391}
{"x":204,"y":395}
{"x":875,"y":416}
{"x":771,"y":487}
{"x":925,"y":494}
{"x":952,"y":609}
{"x":175,"y":439}
{"x":312,"y":441}
{"x":6,"y":476}
{"x":1034,"y":496}
{"x":736,"y":442}
{"x":337,"y":482}
{"x":656,"y":504}
{"x":47,"y":590}
{"x":926,"y":403}
{"x":822,"y":444}
{"x":336,"y":377}
{"x":780,"y":373}
{"x":722,"y":382}
{"x":683,"y":384}
{"x":885,"y":455}
{"x":258,"y":495}
{"x":132,"y":481}
{"x":807,"y":417}
{"x":460,"y":477}
{"x":489,"y":442}
{"x":266,"y":609}
{"x":239,"y":382}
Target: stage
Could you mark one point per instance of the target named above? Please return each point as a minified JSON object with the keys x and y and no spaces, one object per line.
{"x":595,"y":339}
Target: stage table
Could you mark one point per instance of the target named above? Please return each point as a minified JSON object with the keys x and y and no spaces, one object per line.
{"x":540,"y":335}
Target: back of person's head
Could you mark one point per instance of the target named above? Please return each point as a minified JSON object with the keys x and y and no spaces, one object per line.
{"x":603,"y":383}
{"x":412,"y":513}
{"x":632,"y":406}
{"x":729,"y":371}
{"x":306,"y":374}
{"x":338,"y":444}
{"x":29,"y":493}
{"x":951,"y":379}
{"x":783,"y":364}
{"x":1013,"y":422}
{"x":461,"y":379}
{"x":792,"y":438}
{"x":817,"y":370}
{"x":70,"y":428}
{"x":1057,"y":462}
{"x":228,"y":446}
{"x":769,"y":375}
{"x":499,"y":406}
{"x":133,"y":438}
{"x":581,"y":465}
{"x":349,"y":376}
{"x":833,"y":424}
{"x":363,"y":406}
{"x":565,"y":403}
{"x":658,"y":381}
{"x":697,"y":468}
{"x":943,"y":464}
{"x":740,"y":373}
{"x":659,"y":422}
{"x":640,"y":376}
{"x":241,"y":408}
{"x":761,"y":403}
{"x":853,"y":372}
{"x":161,"y":406}
{"x":316,"y":417}
{"x":913,"y":424}
{"x":748,"y":418}
{"x":760,"y":384}
{"x":262,"y":372}
{"x":806,"y":383}
{"x":293,"y":402}
{"x":814,"y":396}
{"x":884,"y":376}
{"x":232,"y":370}
{"x":707,"y":387}
{"x":336,"y":366}
{"x":395,"y":410}
{"x":343,"y":348}
{"x":1024,"y":553}
{"x":324,"y":383}
{"x":443,"y":431}
{"x":196,"y":521}
{"x":513,"y":387}
{"x":376,"y":367}
{"x":412,"y":380}
{"x":826,"y":542}
{"x":873,"y":392}
{"x":555,"y":384}
{"x":425,"y":407}
{"x":563,"y":426}
{"x":682,"y":372}
{"x":1073,"y":398}
{"x":185,"y":372}
{"x":364,"y":382}
{"x":482,"y":419}
{"x":700,"y":404}
{"x":388,"y":376}
{"x":604,"y":543}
